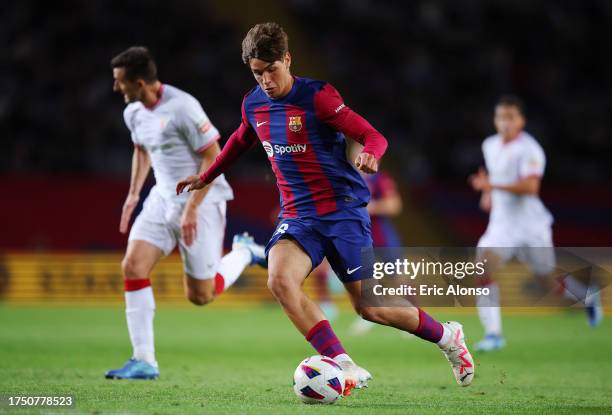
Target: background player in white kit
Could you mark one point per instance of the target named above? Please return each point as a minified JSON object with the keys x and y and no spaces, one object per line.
{"x":171,"y":133}
{"x":519,"y":223}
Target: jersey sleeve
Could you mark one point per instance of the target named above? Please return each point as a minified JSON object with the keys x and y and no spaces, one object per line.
{"x":242,"y":140}
{"x":196,"y":126}
{"x":127,"y":118}
{"x":532,"y":161}
{"x":331,"y":110}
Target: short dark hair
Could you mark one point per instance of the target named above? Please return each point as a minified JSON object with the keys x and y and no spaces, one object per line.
{"x":265,"y":41}
{"x":511,"y":101}
{"x":138,"y":64}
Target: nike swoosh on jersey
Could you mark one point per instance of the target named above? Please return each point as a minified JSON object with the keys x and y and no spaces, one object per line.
{"x":350,"y":271}
{"x":259,"y":124}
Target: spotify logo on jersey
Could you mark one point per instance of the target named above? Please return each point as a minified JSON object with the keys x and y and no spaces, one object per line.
{"x":280,"y":149}
{"x":268,"y":147}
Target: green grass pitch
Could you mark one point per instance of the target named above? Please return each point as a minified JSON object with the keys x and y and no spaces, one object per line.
{"x":214,"y":361}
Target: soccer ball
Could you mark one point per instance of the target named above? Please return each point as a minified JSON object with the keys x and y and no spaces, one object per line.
{"x":318,"y":379}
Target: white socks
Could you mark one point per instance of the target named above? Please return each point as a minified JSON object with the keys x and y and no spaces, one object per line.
{"x":140,"y":305}
{"x":446,"y":336}
{"x":489,"y":310}
{"x":232,"y":265}
{"x":139,"y":311}
{"x":576,"y":290}
{"x":342,"y":357}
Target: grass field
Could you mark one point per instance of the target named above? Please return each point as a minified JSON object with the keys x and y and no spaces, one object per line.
{"x":241,"y":361}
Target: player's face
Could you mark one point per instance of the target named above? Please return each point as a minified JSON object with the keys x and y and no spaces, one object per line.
{"x":508,"y":121}
{"x":274,"y":78}
{"x":131,"y":90}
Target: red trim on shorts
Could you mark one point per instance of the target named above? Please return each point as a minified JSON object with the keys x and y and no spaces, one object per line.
{"x":135,"y":285}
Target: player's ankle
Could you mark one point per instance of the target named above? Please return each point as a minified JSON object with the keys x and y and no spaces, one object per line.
{"x":446,"y":337}
{"x":145,"y":356}
{"x":342,"y":357}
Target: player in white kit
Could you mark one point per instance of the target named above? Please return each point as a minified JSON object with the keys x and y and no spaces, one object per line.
{"x":173,"y":135}
{"x":519,"y":224}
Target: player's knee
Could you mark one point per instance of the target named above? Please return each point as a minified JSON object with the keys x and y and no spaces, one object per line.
{"x":130,"y":268}
{"x":200,"y":298}
{"x":279,"y":286}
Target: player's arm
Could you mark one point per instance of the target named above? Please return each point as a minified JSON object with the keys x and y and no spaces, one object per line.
{"x":330,"y":109}
{"x":208,"y":158}
{"x":239,"y":143}
{"x":390,"y":204}
{"x":529,"y":185}
{"x":141,"y":164}
{"x":485,"y":201}
{"x":189,"y":219}
{"x":525,"y":186}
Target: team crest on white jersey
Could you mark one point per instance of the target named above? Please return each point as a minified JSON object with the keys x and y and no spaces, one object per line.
{"x":295,"y":123}
{"x":268,"y":147}
{"x":163,"y":122}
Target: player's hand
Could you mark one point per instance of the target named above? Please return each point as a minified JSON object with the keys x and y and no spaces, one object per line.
{"x":193,"y":182}
{"x":366,"y":163}
{"x":189,"y":224}
{"x":485,"y":202}
{"x":126,"y":213}
{"x":480,"y":181}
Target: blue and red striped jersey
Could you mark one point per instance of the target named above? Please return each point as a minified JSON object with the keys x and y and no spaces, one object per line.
{"x":303,"y":134}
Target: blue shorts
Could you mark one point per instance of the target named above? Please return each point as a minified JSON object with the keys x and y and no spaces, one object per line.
{"x":344,"y":242}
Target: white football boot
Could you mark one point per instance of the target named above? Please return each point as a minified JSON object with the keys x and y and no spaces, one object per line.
{"x":355,"y":376}
{"x":246,"y":241}
{"x":458,"y":355}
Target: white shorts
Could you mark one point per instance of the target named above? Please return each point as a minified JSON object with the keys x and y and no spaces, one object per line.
{"x":533,"y":247}
{"x":159,"y":224}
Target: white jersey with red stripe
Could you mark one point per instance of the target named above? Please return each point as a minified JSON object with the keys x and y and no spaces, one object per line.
{"x":174,"y":132}
{"x":507,"y":163}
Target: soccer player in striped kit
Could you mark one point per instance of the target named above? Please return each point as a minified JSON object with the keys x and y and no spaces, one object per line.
{"x":302,"y":124}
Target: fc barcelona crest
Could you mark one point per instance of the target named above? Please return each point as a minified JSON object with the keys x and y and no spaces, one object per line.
{"x":295,"y":123}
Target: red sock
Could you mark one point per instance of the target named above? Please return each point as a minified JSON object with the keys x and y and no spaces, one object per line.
{"x":219,"y":283}
{"x":428,"y":329}
{"x":135,"y":285}
{"x":324,"y":340}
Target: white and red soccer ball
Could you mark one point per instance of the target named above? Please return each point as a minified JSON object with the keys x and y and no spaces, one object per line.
{"x":318,"y":379}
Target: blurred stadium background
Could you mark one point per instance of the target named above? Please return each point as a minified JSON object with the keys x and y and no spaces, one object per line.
{"x":425,"y":73}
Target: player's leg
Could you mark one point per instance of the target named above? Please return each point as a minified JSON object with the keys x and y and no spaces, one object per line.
{"x":541,"y":259}
{"x":289,"y":263}
{"x":288,"y":267}
{"x":494,"y":250}
{"x":344,"y":253}
{"x":489,"y":306}
{"x":352,"y":264}
{"x":140,"y":258}
{"x":150,"y":238}
{"x":321,"y":275}
{"x":206,"y":273}
{"x":448,"y":336}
